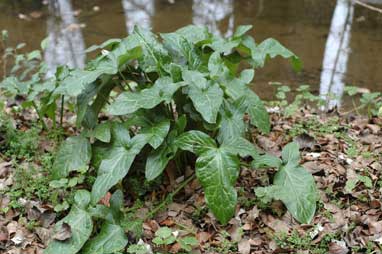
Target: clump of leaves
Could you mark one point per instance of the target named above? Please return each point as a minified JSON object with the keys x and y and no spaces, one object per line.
{"x":167,"y":100}
{"x":297,"y":242}
{"x":371,"y":102}
{"x":303,"y":97}
{"x":28,"y":79}
{"x":78,"y":225}
{"x":292,"y":184}
{"x":165,"y":236}
{"x":18,"y":144}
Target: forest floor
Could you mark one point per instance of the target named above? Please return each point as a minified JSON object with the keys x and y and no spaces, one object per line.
{"x":342,"y":152}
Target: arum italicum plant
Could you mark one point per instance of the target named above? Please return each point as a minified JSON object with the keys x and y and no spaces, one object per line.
{"x":175,"y":98}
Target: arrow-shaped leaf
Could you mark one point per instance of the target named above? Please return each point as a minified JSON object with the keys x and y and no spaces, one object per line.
{"x":110,"y":239}
{"x":115,"y":167}
{"x":217,"y":172}
{"x":81,"y":226}
{"x":74,"y":154}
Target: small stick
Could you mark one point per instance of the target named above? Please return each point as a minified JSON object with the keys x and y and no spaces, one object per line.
{"x":368,"y":6}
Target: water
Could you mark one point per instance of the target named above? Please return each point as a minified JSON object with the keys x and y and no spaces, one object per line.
{"x":338,"y":42}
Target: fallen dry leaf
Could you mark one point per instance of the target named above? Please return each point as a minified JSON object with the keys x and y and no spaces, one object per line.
{"x":64,"y":233}
{"x":4,"y":235}
{"x":244,"y":246}
{"x":338,"y":247}
{"x":18,"y":238}
{"x":375,"y":227}
{"x":105,"y":200}
{"x":305,"y":141}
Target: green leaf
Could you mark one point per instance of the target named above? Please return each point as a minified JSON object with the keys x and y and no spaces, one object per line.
{"x":297,"y":191}
{"x":266,"y":160}
{"x":158,"y":160}
{"x":224,"y":46}
{"x":238,"y":90}
{"x":61,"y":207}
{"x":163,"y":232}
{"x":194,"y":78}
{"x":110,"y":239}
{"x":120,"y":134}
{"x":195,"y":141}
{"x":207,"y":101}
{"x":78,"y":80}
{"x":194,"y":34}
{"x":14,"y":86}
{"x":138,"y":249}
{"x":74,"y":154}
{"x":291,"y":153}
{"x":240,"y":146}
{"x":83,"y":101}
{"x":257,"y":112}
{"x":107,"y":44}
{"x":351,"y":90}
{"x":241,"y":30}
{"x":247,"y":76}
{"x":206,"y":96}
{"x":350,"y":185}
{"x":155,"y":56}
{"x":61,"y":183}
{"x":186,"y":243}
{"x":272,"y":48}
{"x":232,"y":123}
{"x":101,"y":212}
{"x":116,"y":204}
{"x":82,"y":198}
{"x":216,"y":66}
{"x":81,"y":226}
{"x":217,"y":171}
{"x":164,"y":236}
{"x":366,"y":181}
{"x":292,"y":184}
{"x":116,"y":165}
{"x":157,"y":133}
{"x":35,"y":54}
{"x":130,"y":102}
{"x":266,"y":194}
{"x":184,"y":49}
{"x":102,"y":132}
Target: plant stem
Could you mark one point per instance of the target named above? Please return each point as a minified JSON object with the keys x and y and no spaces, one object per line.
{"x":124,"y":79}
{"x":3,"y":46}
{"x":40,"y":116}
{"x":355,"y":106}
{"x":359,"y":108}
{"x":62,"y":110}
{"x":169,"y":197}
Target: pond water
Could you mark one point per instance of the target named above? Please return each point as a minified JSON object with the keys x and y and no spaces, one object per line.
{"x":339,"y":42}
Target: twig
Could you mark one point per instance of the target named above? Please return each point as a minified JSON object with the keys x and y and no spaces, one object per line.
{"x":357,"y":108}
{"x":368,"y":6}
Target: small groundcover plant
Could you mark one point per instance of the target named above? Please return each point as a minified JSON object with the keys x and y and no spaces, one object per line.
{"x":182,"y":97}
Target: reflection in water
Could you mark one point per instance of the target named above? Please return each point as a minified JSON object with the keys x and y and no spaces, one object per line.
{"x":138,"y":12}
{"x":211,"y":12}
{"x":65,"y":40}
{"x":336,"y":54}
